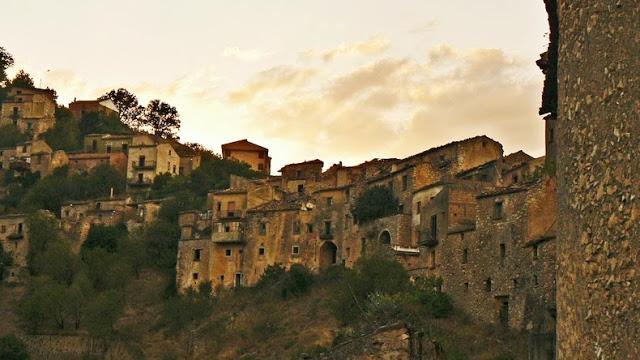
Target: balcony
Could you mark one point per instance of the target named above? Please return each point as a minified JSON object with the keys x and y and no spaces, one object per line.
{"x":16,"y":236}
{"x":139,"y":183}
{"x":228,"y":237}
{"x":428,"y":240}
{"x":326,"y":236}
{"x":144,"y":165}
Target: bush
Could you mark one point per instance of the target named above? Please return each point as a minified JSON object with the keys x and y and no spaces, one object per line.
{"x":374,"y":203}
{"x":188,"y":309}
{"x":106,"y":237}
{"x":12,"y":348}
{"x":103,"y":312}
{"x":296,"y":281}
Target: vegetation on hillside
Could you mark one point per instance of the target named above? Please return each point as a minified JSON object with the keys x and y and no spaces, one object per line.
{"x":374,"y":203}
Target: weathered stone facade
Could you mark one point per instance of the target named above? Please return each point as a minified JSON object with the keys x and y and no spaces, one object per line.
{"x":14,"y":239}
{"x":446,"y":207}
{"x":31,"y":110}
{"x":254,"y":155}
{"x":598,"y":122}
{"x":80,"y":107}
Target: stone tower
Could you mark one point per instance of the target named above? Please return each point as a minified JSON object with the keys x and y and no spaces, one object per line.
{"x":598,"y":169}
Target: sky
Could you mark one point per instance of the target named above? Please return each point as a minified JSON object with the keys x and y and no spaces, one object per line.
{"x":336,"y":80}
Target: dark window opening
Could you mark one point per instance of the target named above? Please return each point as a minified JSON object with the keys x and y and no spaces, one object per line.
{"x":503,"y":252}
{"x":300,"y":188}
{"x":309,"y":228}
{"x":263,"y":228}
{"x":227,"y":252}
{"x":465,"y":256}
{"x":295,"y":250}
{"x":329,"y":201}
{"x":418,"y":207}
{"x":108,"y":149}
{"x":515,"y":179}
{"x":197,"y":254}
{"x":535,"y":251}
{"x":401,"y":208}
{"x":405,"y":182}
{"x":125,"y":147}
{"x":434,"y":227}
{"x":487,"y":285}
{"x":466,"y":286}
{"x":195,"y":276}
{"x":261,"y":251}
{"x":296,"y":227}
{"x":327,"y":227}
{"x":497,"y":210}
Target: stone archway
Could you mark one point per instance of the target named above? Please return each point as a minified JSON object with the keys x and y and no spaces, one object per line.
{"x":384,"y":238}
{"x":328,"y":254}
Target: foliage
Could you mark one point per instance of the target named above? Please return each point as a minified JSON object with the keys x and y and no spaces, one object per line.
{"x":23,"y":80}
{"x":12,"y":348}
{"x":6,"y":61}
{"x":106,"y":237}
{"x":51,"y":191}
{"x":6,"y":260}
{"x":10,"y":136}
{"x":294,"y":282}
{"x":162,"y":119}
{"x":43,"y":230}
{"x":101,"y":123}
{"x":374,"y":203}
{"x":56,"y":261}
{"x":188,"y":309}
{"x":98,"y":260}
{"x":161,"y":244}
{"x":65,"y":135}
{"x":129,"y":110}
{"x":102,"y":313}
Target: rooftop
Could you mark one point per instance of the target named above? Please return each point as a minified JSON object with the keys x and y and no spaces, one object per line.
{"x":243,"y":145}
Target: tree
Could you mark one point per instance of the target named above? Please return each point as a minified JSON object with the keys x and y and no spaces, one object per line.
{"x":129,"y":109}
{"x":103,"y":312}
{"x":43,"y":228}
{"x":6,"y":61}
{"x":12,"y":348}
{"x":10,"y":136}
{"x":57,"y":261}
{"x":106,"y":237}
{"x":23,"y":79}
{"x":374,"y":203}
{"x":78,"y":296}
{"x":100,"y":123}
{"x":65,"y":135}
{"x":162,"y":119}
{"x":6,"y":260}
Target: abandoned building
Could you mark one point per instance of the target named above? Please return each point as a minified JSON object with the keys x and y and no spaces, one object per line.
{"x":254,"y":155}
{"x":80,"y":107}
{"x":107,"y":143}
{"x":34,"y":156}
{"x":32,"y":110}
{"x":482,"y":221}
{"x":14,"y":239}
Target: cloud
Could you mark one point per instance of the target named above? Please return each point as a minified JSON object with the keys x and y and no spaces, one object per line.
{"x":246,"y":55}
{"x":270,"y":80}
{"x":397,"y":106}
{"x":371,"y":46}
{"x":427,"y":27}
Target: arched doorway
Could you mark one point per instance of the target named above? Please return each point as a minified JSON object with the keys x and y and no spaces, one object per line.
{"x":385,"y":238}
{"x":328,"y":254}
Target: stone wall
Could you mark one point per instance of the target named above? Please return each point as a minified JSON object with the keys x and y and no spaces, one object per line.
{"x":599,"y":179}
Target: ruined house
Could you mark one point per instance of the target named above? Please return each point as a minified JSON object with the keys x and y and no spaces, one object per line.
{"x":107,"y":143}
{"x":77,"y":217}
{"x":32,"y":110}
{"x":14,"y":239}
{"x":254,"y":155}
{"x":34,"y":156}
{"x":80,"y":107}
{"x":445,"y":225}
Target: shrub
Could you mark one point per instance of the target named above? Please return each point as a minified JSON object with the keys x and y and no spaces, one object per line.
{"x":298,"y":281}
{"x":103,"y":312}
{"x":12,"y":348}
{"x":374,"y":203}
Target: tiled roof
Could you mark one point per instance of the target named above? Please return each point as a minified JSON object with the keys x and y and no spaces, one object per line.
{"x":243,"y":145}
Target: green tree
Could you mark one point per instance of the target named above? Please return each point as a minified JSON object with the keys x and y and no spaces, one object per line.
{"x":12,"y":348}
{"x":107,"y":270}
{"x":105,"y":236}
{"x":6,"y":260}
{"x":57,"y":261}
{"x":65,"y":135}
{"x":22,"y":79}
{"x":161,"y":244}
{"x":100,"y":123}
{"x":6,"y":61}
{"x":129,"y":110}
{"x":43,"y":229}
{"x":374,"y":203}
{"x":10,"y":136}
{"x":33,"y":309}
{"x":78,"y":296}
{"x":162,"y":119}
{"x":103,"y":312}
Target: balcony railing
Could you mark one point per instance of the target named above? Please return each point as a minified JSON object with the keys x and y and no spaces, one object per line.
{"x":144,"y":165}
{"x":228,"y":237}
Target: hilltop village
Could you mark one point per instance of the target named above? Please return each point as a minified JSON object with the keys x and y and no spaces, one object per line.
{"x":482,"y":221}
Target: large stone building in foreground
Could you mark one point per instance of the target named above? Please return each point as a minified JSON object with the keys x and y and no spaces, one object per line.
{"x":594,"y":51}
{"x":482,"y":221}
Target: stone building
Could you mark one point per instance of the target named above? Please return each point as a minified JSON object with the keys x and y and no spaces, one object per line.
{"x":254,"y":155}
{"x":14,"y":239}
{"x":594,"y":52}
{"x":77,"y":217}
{"x":107,"y":143}
{"x":32,"y":110}
{"x":85,"y":162}
{"x":80,"y":107}
{"x":34,"y":156}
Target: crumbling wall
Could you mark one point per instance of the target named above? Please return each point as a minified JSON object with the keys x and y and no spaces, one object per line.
{"x":598,"y":179}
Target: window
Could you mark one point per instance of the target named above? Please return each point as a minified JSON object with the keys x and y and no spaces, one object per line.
{"x":497,"y":210}
{"x":108,"y":149}
{"x":300,"y":188}
{"x":432,"y":259}
{"x":434,"y":227}
{"x":329,"y":201}
{"x":125,"y":147}
{"x":261,"y":155}
{"x":465,"y":256}
{"x":98,"y":205}
{"x":221,"y":277}
{"x":348,"y":252}
{"x":197,"y":254}
{"x":503,"y":252}
{"x":140,"y":178}
{"x":535,"y":280}
{"x":141,"y":160}
{"x":261,"y":251}
{"x":94,"y":145}
{"x":401,"y":208}
{"x":515,"y":283}
{"x":487,"y":285}
{"x":231,"y":208}
{"x":218,"y":206}
{"x":169,"y":152}
{"x":418,"y":207}
{"x":261,"y":167}
{"x":3,"y":229}
{"x":168,"y":166}
{"x":405,"y":182}
{"x":227,"y":228}
{"x":515,"y":179}
{"x":227,"y":252}
{"x":295,"y":250}
{"x":327,"y":227}
{"x":309,"y":228}
{"x":174,"y":169}
{"x":347,"y":193}
{"x":535,"y":251}
{"x":262,"y":228}
{"x":195,"y":276}
{"x":296,"y":227}
{"x":466,"y":286}
{"x":298,"y":174}
{"x":346,"y":221}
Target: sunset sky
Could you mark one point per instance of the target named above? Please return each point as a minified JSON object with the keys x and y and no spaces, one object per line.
{"x":332,"y":79}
